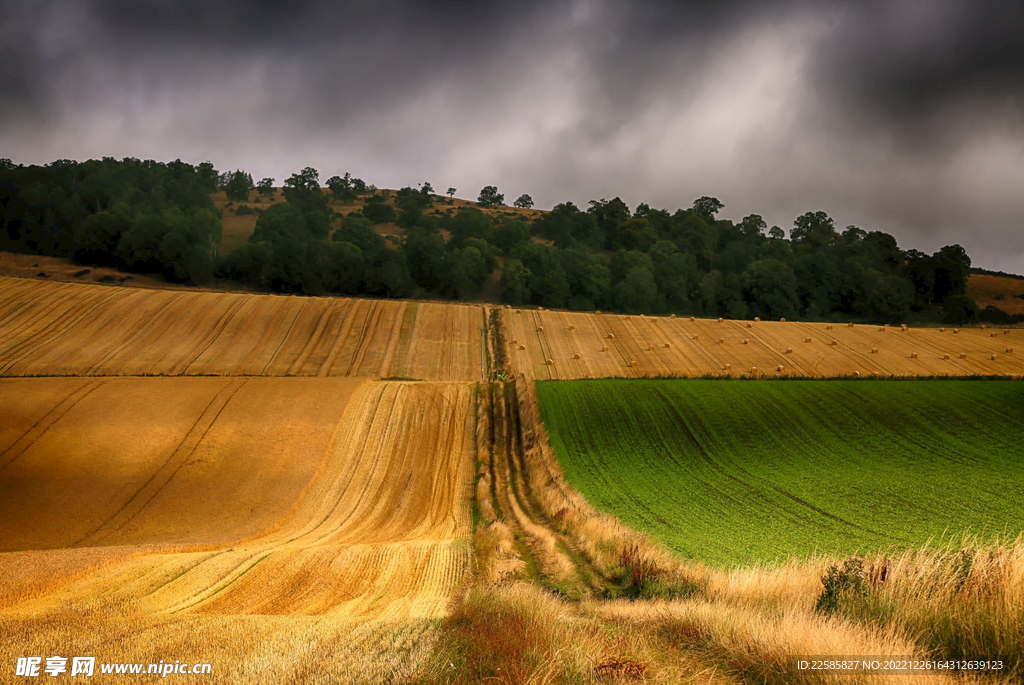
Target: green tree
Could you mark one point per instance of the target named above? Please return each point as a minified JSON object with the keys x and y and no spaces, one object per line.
{"x":636,"y":293}
{"x":515,"y":283}
{"x":238,"y":186}
{"x":343,"y":268}
{"x":451,"y":191}
{"x":707,"y":207}
{"x":890,"y":299}
{"x":524,"y":201}
{"x":813,"y":230}
{"x":266,"y":188}
{"x":303,"y":189}
{"x":960,"y":309}
{"x":490,"y":197}
{"x":379,"y":213}
{"x":770,"y":287}
{"x":952,"y":269}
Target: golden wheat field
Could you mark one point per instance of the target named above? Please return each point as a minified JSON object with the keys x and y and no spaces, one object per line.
{"x":242,"y":520}
{"x":567,"y":345}
{"x":68,"y":329}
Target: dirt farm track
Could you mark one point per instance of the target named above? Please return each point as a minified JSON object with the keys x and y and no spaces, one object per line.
{"x":247,"y":478}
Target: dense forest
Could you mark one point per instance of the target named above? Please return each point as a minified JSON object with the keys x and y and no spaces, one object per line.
{"x":152,"y":217}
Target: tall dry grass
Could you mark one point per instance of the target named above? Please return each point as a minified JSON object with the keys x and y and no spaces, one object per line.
{"x":520,"y":634}
{"x":958,"y":602}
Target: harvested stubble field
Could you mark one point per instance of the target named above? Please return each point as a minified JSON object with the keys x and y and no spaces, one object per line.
{"x":734,"y":473}
{"x":301,"y":530}
{"x":61,"y":329}
{"x":575,"y":345}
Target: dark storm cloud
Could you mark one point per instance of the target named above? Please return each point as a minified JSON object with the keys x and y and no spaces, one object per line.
{"x":903,"y":115}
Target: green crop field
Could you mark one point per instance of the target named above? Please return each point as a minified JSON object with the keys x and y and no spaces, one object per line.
{"x":736,"y":472}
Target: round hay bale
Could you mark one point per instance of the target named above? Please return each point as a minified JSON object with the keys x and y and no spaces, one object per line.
{"x":1006,"y":332}
{"x":728,"y":367}
{"x":540,"y":309}
{"x":903,"y":327}
{"x":753,"y":371}
{"x":750,"y":325}
{"x":721,"y":340}
{"x":757,"y":318}
{"x":807,"y":340}
{"x":522,"y":347}
{"x":597,"y":311}
{"x":945,"y":356}
{"x":913,"y":355}
{"x":692,"y":318}
{"x":668,"y":345}
{"x":783,"y":319}
{"x":834,"y":342}
{"x":993,"y":357}
{"x":882,"y":329}
{"x":963,"y":355}
{"x":508,"y":306}
{"x":611,"y":336}
{"x":789,"y":350}
{"x":672,"y":317}
{"x":942,"y":330}
{"x":779,"y":368}
{"x":720,"y":319}
{"x":1009,"y":350}
{"x":604,"y":349}
{"x":984,"y":326}
{"x":956,"y":330}
{"x":551,"y":362}
{"x":874,"y":350}
{"x":514,"y":341}
{"x":540,"y":329}
{"x":571,"y":327}
{"x":849,"y":325}
{"x":856,"y":374}
{"x":992,"y":334}
{"x":519,"y":311}
{"x":746,"y":341}
{"x":632,"y":364}
{"x":576,"y":356}
{"x":650,"y":348}
{"x":696,"y":337}
{"x":828,"y":327}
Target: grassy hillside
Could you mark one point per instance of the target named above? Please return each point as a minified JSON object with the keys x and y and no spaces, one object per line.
{"x":1003,"y":292}
{"x":741,"y":472}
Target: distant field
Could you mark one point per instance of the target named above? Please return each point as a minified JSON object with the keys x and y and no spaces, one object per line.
{"x":70,"y":329}
{"x":998,"y":291}
{"x":736,"y":472}
{"x":664,"y":346}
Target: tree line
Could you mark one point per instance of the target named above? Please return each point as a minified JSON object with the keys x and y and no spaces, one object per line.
{"x":153,"y":217}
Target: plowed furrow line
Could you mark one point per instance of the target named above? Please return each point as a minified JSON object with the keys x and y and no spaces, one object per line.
{"x":24,"y":308}
{"x":53,"y":331}
{"x":279,"y":309}
{"x":211,"y":337}
{"x":367,"y":340}
{"x":163,"y":475}
{"x":283,"y":345}
{"x":227,"y":341}
{"x":145,"y":324}
{"x":397,"y":333}
{"x":311,"y":343}
{"x":338,"y":339}
{"x":22,"y":444}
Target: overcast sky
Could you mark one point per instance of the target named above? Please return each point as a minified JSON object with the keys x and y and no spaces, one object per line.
{"x":905,"y":116}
